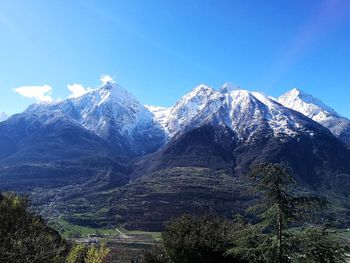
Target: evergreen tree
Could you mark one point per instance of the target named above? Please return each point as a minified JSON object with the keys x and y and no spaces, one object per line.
{"x":280,"y":207}
{"x":319,"y":245}
{"x":249,"y":244}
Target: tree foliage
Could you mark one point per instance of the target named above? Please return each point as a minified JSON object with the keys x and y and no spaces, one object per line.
{"x":318,"y":245}
{"x":96,"y":254}
{"x":77,"y":254}
{"x":197,"y":239}
{"x":24,"y":237}
{"x":249,"y":244}
{"x":280,"y":206}
{"x":84,"y":254}
{"x":156,"y":254}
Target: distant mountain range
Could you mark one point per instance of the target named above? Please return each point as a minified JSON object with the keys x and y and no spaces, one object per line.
{"x":107,"y":150}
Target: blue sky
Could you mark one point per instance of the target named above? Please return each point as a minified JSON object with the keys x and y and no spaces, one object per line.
{"x":161,"y":49}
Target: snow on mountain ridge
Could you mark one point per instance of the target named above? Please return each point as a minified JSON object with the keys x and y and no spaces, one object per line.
{"x":112,"y":113}
{"x":120,"y":105}
{"x":189,"y":106}
{"x":306,"y":104}
{"x":254,"y":109}
{"x":237,"y":108}
{"x":161,"y":114}
{"x":111,"y":109}
{"x":93,"y":107}
{"x":318,"y":111}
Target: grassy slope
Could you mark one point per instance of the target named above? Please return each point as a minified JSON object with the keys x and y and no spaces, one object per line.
{"x":148,"y":203}
{"x":67,"y":229}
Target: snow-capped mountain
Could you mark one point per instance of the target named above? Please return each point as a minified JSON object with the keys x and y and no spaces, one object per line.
{"x":3,"y":116}
{"x":201,"y":101}
{"x":245,"y":112}
{"x":237,"y":116}
{"x":318,"y":111}
{"x":160,"y":114}
{"x":113,"y":114}
{"x":106,"y":139}
{"x":118,"y":117}
{"x":232,"y":128}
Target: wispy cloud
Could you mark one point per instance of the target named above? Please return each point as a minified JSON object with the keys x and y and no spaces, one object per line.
{"x":44,"y":93}
{"x":38,"y":93}
{"x":107,"y":78}
{"x":77,"y":90}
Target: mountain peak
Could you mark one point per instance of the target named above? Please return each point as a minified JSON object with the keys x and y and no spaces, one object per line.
{"x":305,"y":103}
{"x":108,"y":86}
{"x":295,"y":93}
{"x":297,"y":90}
{"x":189,"y":106}
{"x":200,"y":92}
{"x":111,"y":91}
{"x":202,"y":88}
{"x":228,"y":87}
{"x":318,"y":111}
{"x":112,"y":87}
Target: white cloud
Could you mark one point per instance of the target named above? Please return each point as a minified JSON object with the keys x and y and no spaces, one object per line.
{"x":107,"y":79}
{"x":77,"y":90}
{"x":39,"y":93}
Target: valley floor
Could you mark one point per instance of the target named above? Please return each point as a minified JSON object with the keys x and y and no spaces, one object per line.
{"x":129,"y":245}
{"x":126,"y":246}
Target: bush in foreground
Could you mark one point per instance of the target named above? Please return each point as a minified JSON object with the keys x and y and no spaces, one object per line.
{"x":189,"y":239}
{"x":83,"y":254}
